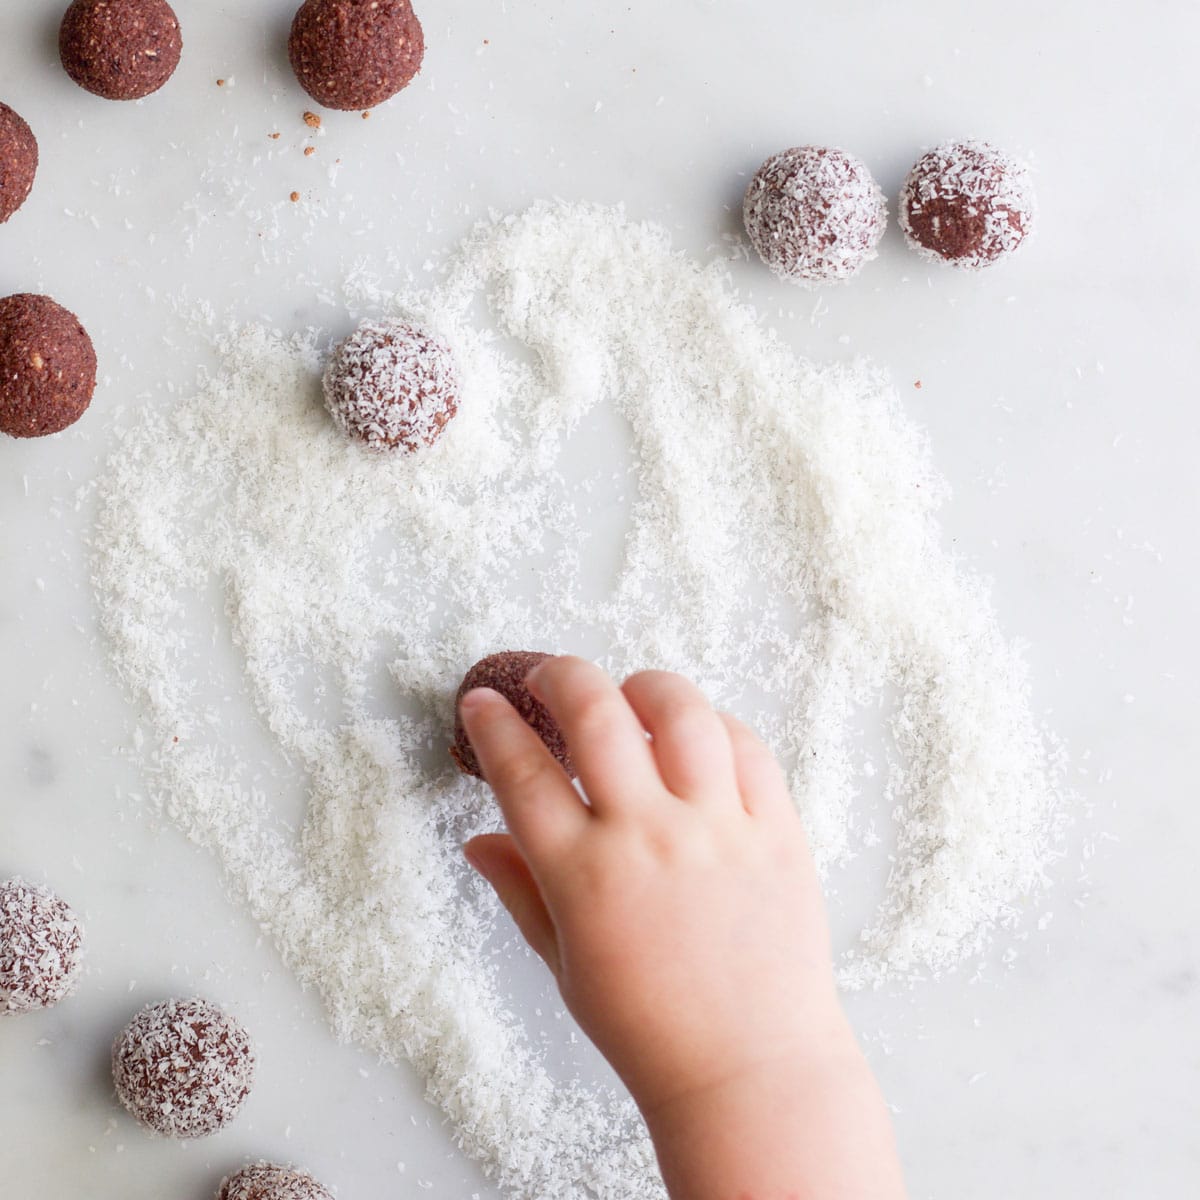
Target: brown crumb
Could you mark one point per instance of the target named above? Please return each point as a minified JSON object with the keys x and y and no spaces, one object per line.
{"x":295,"y":197}
{"x":486,"y":42}
{"x":220,"y":83}
{"x":367,"y":116}
{"x":273,"y":136}
{"x":917,"y":385}
{"x":312,"y":120}
{"x":309,"y":151}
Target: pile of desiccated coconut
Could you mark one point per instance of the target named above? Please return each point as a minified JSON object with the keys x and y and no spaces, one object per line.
{"x":772,"y":535}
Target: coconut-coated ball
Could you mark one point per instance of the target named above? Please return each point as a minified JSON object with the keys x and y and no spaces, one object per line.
{"x":41,"y":948}
{"x":392,"y":385}
{"x":353,"y":54}
{"x":18,"y":161}
{"x":47,"y":366}
{"x":814,"y":214}
{"x":968,"y":204}
{"x":183,"y":1068}
{"x":505,"y":673}
{"x":268,"y":1181}
{"x":120,"y":49}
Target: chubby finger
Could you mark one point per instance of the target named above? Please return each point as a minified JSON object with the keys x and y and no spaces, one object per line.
{"x":691,"y":745}
{"x":760,"y":779}
{"x":541,"y":808}
{"x":496,"y":857}
{"x":607,"y":742}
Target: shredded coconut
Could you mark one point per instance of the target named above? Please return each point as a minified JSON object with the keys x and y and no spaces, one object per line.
{"x":772,"y":536}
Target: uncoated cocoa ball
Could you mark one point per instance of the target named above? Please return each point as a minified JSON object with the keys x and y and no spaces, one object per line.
{"x":967,"y":204}
{"x":505,"y":673}
{"x":18,"y":161}
{"x":47,"y":367}
{"x":355,"y":54}
{"x":120,"y":49}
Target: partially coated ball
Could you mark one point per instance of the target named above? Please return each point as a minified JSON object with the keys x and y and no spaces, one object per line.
{"x":814,"y":214}
{"x":120,"y":49}
{"x":41,"y":948}
{"x":968,"y":204}
{"x":47,"y":367}
{"x":18,"y":161}
{"x":183,"y":1068}
{"x":505,"y":673}
{"x":355,"y":54}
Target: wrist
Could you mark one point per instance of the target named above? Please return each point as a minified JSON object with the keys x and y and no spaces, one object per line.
{"x":807,"y":1120}
{"x":825,"y":1044}
{"x":742,"y":1041}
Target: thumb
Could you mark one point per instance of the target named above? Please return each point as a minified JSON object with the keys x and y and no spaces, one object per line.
{"x":496,"y":857}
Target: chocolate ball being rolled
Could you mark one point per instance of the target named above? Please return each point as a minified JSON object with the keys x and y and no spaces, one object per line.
{"x":505,"y":673}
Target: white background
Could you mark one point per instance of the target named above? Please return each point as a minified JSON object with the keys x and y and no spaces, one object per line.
{"x":1059,"y":391}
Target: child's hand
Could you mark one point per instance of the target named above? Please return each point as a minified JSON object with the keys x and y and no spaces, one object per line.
{"x":680,"y":912}
{"x":678,"y":908}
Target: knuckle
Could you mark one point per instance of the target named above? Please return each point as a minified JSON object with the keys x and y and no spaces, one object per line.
{"x":691,"y":716}
{"x":648,"y":679}
{"x":594,"y":712}
{"x":517,"y":773}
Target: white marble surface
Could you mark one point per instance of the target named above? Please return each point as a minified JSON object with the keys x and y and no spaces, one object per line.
{"x":1059,"y":392}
